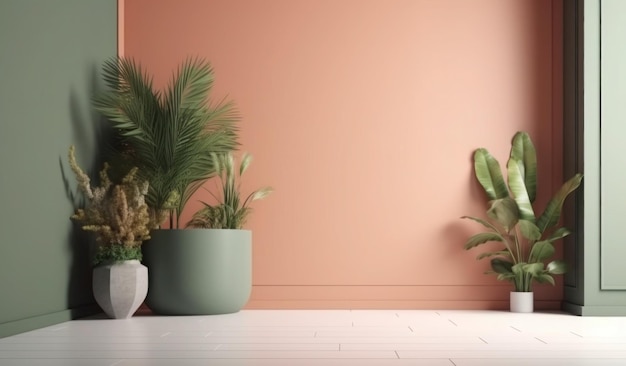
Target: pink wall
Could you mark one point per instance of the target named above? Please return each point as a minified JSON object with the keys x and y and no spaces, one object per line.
{"x":363,"y":115}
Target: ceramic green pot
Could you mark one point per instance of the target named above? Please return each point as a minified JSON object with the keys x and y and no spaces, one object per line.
{"x":198,"y":271}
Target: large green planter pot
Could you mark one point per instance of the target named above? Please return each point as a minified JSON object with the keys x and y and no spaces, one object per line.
{"x":198,"y":271}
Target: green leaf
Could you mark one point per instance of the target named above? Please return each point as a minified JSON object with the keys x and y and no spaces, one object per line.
{"x":523,"y":150}
{"x":500,"y":253}
{"x":558,"y":234}
{"x":504,"y":211}
{"x":534,"y":269}
{"x":519,"y":272}
{"x":489,"y":175}
{"x":529,"y":230}
{"x":481,"y":221}
{"x":505,"y":277}
{"x":541,"y":250}
{"x":501,"y":266}
{"x":245,"y":162}
{"x":217,"y":163}
{"x":518,"y":188}
{"x":481,"y":238}
{"x":552,"y":213}
{"x":557,"y":267}
{"x":545,"y":278}
{"x":261,"y":193}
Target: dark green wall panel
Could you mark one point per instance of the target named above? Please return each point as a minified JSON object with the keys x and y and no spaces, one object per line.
{"x":594,"y":127}
{"x":50,"y":56}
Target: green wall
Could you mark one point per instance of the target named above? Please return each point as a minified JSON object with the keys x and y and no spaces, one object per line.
{"x":49,"y":68}
{"x":594,"y":125}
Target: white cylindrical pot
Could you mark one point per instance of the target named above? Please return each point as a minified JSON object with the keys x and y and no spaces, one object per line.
{"x":522,"y":302}
{"x":120,"y":288}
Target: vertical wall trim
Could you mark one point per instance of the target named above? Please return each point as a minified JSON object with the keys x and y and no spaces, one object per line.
{"x":591,"y":128}
{"x":557,"y":92}
{"x":573,"y":152}
{"x":120,"y":27}
{"x":612,"y":84}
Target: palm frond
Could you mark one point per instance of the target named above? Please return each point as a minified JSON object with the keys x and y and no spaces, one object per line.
{"x":171,"y":132}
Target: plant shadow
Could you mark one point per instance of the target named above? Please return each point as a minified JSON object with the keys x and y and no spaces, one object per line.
{"x":92,"y":139}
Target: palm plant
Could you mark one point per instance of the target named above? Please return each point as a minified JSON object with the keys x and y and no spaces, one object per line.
{"x":170,"y":134}
{"x":527,"y":240}
{"x":230,"y":212}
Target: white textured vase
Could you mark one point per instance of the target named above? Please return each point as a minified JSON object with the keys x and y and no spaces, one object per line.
{"x":120,"y":287}
{"x":522,"y":302}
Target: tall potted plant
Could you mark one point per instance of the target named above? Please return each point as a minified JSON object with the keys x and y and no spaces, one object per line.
{"x":169,"y":135}
{"x":118,"y":215}
{"x":527,"y":240}
{"x":223,"y":259}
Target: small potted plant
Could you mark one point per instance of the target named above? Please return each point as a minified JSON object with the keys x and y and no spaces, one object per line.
{"x":527,"y":240}
{"x":217,"y":278}
{"x":118,"y":216}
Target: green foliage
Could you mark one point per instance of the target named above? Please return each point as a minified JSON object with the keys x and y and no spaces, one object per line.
{"x":116,"y":253}
{"x":527,"y":241}
{"x":168,"y":134}
{"x":230,"y":212}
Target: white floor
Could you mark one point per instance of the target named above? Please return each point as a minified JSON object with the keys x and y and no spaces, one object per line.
{"x":327,"y":337}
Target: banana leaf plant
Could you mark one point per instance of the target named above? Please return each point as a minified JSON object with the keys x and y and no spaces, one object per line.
{"x":527,"y":239}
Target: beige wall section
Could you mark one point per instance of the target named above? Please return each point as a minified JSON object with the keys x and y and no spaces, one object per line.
{"x":363,"y":115}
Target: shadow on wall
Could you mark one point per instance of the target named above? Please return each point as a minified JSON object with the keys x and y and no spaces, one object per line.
{"x":93,"y":138}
